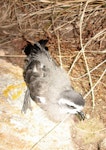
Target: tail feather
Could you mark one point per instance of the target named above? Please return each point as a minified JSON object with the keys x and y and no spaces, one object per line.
{"x":37,"y":47}
{"x":43,"y":44}
{"x":28,"y":49}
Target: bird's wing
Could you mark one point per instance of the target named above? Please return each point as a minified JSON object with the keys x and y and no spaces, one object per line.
{"x":36,"y":76}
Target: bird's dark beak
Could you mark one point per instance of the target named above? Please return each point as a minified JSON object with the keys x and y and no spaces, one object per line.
{"x":81,"y":115}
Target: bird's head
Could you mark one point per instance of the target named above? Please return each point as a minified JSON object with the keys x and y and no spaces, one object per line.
{"x":72,"y":102}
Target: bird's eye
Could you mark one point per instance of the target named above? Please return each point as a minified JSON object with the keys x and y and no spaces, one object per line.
{"x":70,"y":106}
{"x":44,"y":66}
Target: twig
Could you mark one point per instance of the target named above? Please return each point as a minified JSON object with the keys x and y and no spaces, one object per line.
{"x":80,"y":52}
{"x":96,"y":83}
{"x":101,"y":130}
{"x":94,"y":37}
{"x":57,"y":125}
{"x":57,"y":35}
{"x":60,"y":56}
{"x":14,"y":56}
{"x":83,"y":52}
{"x":96,"y":67}
{"x":75,"y":60}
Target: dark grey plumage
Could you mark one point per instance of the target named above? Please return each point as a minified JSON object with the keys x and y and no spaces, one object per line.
{"x":49,"y":85}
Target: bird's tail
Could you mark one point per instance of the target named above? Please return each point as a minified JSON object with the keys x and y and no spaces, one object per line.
{"x":39,"y":46}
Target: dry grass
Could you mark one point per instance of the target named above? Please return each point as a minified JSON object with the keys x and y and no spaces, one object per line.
{"x":77,"y":38}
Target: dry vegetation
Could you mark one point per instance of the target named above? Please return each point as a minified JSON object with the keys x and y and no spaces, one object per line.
{"x":76,"y":30}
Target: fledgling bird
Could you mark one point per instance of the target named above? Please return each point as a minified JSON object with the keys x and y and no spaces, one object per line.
{"x":49,"y":85}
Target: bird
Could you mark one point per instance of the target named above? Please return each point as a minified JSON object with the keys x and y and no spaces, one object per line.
{"x":48,"y":85}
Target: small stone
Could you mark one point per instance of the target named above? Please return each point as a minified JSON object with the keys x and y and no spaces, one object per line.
{"x":2,"y":53}
{"x":87,"y":116}
{"x":102,"y":145}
